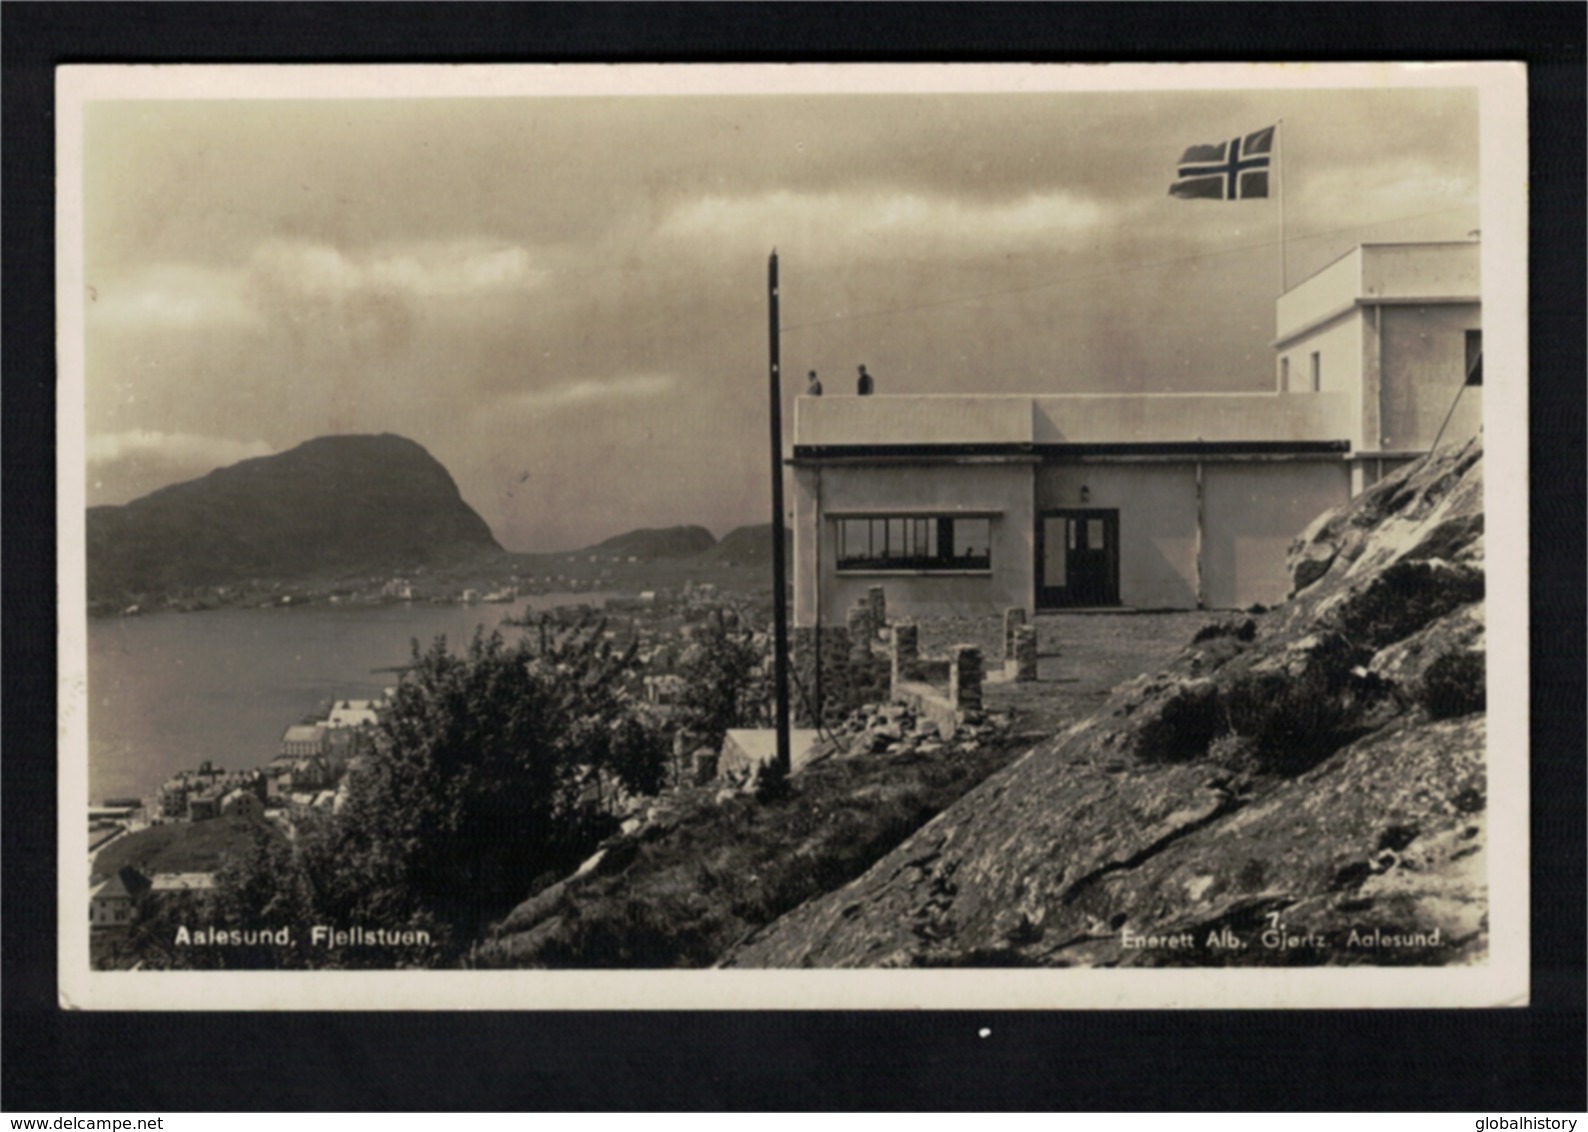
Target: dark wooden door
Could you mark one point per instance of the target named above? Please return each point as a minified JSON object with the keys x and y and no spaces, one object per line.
{"x":1077,"y":558}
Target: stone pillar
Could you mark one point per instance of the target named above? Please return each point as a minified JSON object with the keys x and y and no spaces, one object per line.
{"x":858,"y":621}
{"x":1014,"y":617}
{"x":1025,"y":653}
{"x":879,"y":607}
{"x":906,"y":651}
{"x":964,"y":677}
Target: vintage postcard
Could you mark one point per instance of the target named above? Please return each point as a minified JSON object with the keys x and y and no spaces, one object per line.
{"x":977,"y":537}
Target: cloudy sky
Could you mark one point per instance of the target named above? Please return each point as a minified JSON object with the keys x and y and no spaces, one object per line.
{"x":563,"y":298}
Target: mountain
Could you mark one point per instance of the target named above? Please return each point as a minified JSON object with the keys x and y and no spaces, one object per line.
{"x":333,"y":506}
{"x":750,"y":546}
{"x":650,"y":543}
{"x":1320,"y":766}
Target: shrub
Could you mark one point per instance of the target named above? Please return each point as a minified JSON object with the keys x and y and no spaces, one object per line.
{"x":1242,"y":631}
{"x":1293,"y":723}
{"x":1404,"y":598}
{"x":1454,"y":685}
{"x":1184,"y":726}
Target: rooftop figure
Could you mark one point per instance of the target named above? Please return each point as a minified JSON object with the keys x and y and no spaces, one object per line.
{"x":864,"y":386}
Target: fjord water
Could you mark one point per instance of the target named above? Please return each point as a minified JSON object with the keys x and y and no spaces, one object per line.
{"x":168,"y":690}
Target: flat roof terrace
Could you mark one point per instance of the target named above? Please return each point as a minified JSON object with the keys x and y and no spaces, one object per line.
{"x":1021,"y":422}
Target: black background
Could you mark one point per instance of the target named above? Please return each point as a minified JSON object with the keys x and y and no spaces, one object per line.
{"x":1487,"y":1061}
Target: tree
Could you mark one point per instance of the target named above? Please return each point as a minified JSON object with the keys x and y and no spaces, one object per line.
{"x":725,"y":683}
{"x":491,"y":768}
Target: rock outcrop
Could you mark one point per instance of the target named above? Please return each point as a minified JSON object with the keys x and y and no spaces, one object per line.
{"x":1302,"y":787}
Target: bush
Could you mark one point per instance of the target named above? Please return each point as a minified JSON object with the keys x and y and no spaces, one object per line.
{"x":1242,"y":631}
{"x":1454,"y":685}
{"x":1267,"y":722}
{"x":1184,"y":725}
{"x":493,"y":767}
{"x":1406,"y":597}
{"x":1292,"y":723}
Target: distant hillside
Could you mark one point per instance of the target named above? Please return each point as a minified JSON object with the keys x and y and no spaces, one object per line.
{"x":665,"y":542}
{"x":335,"y":505}
{"x":749,"y":546}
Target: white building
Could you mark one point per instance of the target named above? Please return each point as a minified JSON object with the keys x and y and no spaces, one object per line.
{"x":960,"y":503}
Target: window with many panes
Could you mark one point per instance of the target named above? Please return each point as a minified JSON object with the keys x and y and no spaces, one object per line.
{"x":914,"y":542}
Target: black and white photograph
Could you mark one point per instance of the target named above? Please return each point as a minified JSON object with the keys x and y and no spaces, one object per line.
{"x":843,"y":536}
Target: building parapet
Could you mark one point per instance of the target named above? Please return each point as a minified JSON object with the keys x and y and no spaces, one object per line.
{"x":913,"y":418}
{"x":985,"y":427}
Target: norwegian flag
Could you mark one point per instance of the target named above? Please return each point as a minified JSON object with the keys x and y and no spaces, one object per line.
{"x":1232,"y":170}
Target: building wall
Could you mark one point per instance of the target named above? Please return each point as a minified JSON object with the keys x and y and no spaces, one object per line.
{"x":1424,"y":367}
{"x":1339,"y":346}
{"x":1251,"y":512}
{"x":1331,"y":290}
{"x":937,"y":488}
{"x":1157,"y":523}
{"x":1449,"y":270}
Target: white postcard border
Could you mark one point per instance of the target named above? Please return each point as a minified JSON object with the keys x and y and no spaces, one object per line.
{"x":1501,"y":981}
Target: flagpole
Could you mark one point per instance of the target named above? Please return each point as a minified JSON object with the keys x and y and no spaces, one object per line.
{"x":779,"y":582}
{"x":1279,"y":185}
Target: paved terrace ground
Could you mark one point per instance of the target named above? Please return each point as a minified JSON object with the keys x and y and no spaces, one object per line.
{"x":1081,"y":657}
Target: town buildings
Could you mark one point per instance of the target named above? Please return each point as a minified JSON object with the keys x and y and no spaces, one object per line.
{"x":970,"y":503}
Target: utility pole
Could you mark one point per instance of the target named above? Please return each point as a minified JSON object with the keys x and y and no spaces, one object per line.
{"x":779,"y":581}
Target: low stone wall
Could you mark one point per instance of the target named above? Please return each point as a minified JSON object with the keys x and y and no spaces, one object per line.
{"x":929,"y":704}
{"x":851,"y":674}
{"x":914,"y":682}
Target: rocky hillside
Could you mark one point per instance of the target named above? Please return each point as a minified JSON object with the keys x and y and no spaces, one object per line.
{"x":1305,"y":786}
{"x":335,"y":505}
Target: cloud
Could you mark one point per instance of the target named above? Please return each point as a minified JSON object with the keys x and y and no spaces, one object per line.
{"x":595,"y":389}
{"x":171,"y":296}
{"x":845,"y":222}
{"x":420,"y":269}
{"x":1392,"y":190}
{"x":367,"y":305}
{"x":183,"y":447}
